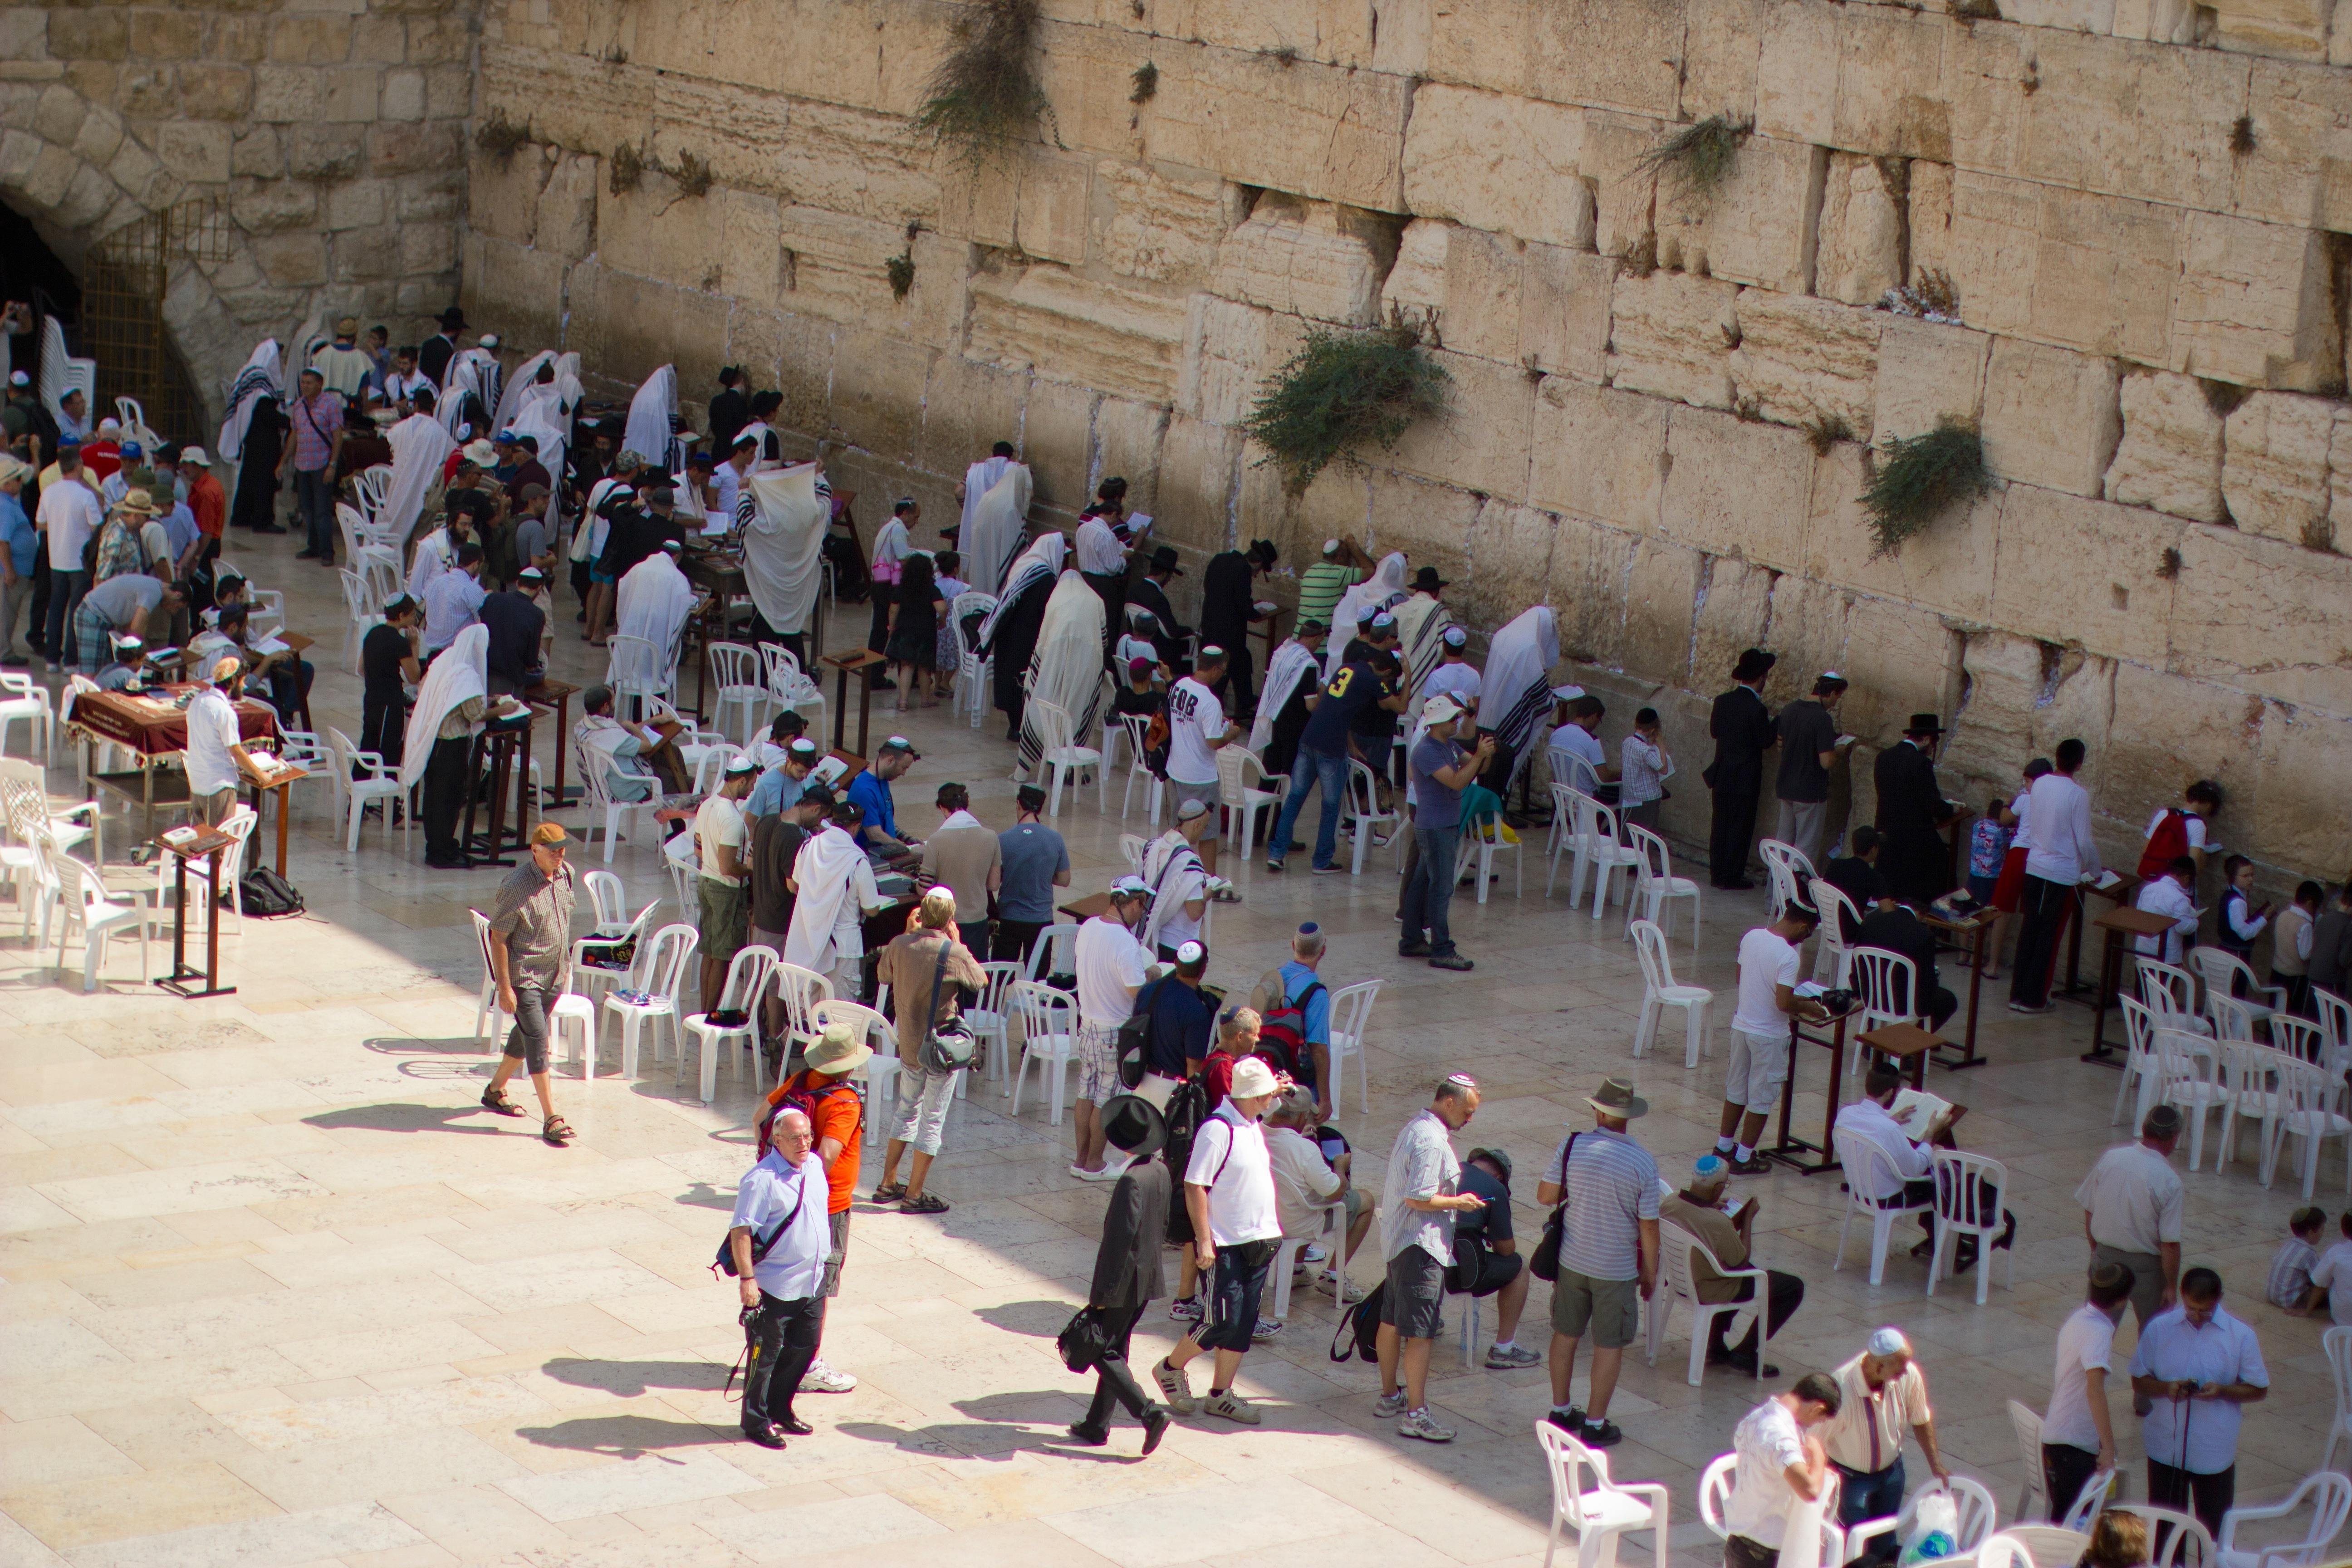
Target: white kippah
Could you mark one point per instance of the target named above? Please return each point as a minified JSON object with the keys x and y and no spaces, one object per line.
{"x":1889,"y":1342}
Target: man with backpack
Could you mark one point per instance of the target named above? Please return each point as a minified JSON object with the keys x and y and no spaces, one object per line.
{"x":1294,"y":1009}
{"x":1236,"y":1229}
{"x":823,"y":1092}
{"x":1111,"y":964}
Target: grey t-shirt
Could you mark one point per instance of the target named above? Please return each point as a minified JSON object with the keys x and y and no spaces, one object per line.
{"x":531,"y":539}
{"x":1034,"y":856}
{"x":1434,"y":806}
{"x":118,"y":598}
{"x":1806,"y":730}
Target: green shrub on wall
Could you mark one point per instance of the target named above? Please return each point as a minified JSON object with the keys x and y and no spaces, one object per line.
{"x":984,"y":97}
{"x":1698,"y":158}
{"x":1920,"y":478}
{"x":1341,"y":390}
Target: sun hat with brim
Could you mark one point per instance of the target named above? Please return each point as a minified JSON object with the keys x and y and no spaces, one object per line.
{"x":1617,"y":1097}
{"x":135,"y":504}
{"x":1437,"y":710}
{"x":481,"y":454}
{"x":1133,"y":1125}
{"x":840,"y":1049}
{"x":1252,"y":1079}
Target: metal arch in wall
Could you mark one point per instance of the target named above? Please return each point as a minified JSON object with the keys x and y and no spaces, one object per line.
{"x":125,"y":279}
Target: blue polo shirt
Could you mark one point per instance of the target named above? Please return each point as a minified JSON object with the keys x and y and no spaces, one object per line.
{"x":776,"y":790}
{"x":869,"y":795}
{"x":1296,"y":978}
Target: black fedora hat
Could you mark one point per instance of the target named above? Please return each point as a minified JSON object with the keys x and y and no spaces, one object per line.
{"x":1132,"y":1123}
{"x":1924,"y":724}
{"x":453,"y":317}
{"x":1164,"y":560}
{"x":1261,"y":553}
{"x":1427,"y":581}
{"x":1754,"y":665}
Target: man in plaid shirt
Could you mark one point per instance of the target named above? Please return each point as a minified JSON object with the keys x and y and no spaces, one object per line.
{"x":318,"y":416}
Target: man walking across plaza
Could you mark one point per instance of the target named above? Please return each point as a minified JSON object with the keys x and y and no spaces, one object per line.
{"x":1236,"y":1229}
{"x":318,"y":416}
{"x":821,"y":1091}
{"x":1607,"y":1253}
{"x":1423,"y":1195}
{"x":1128,"y":1276}
{"x":2078,"y":1435}
{"x":1883,"y":1395}
{"x":782,"y":1203}
{"x":530,"y":953}
{"x":2131,"y":1214}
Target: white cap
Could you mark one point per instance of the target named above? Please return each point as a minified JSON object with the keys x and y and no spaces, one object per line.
{"x":1437,"y":710}
{"x":195,"y":455}
{"x":110,"y":423}
{"x":1330,"y":547}
{"x":18,"y":378}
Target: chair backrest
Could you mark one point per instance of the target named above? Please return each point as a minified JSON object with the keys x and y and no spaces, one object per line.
{"x":1057,"y":952}
{"x":2221,"y":970}
{"x":1715,"y":1484}
{"x":384,"y":584}
{"x":966,"y":605}
{"x":2307,"y":1092}
{"x":1650,"y":948}
{"x":2049,"y":1544}
{"x":1572,"y":770}
{"x":2139,"y":1025}
{"x":711,"y":766}
{"x":2232,"y":1019}
{"x":735,"y":663}
{"x":1363,"y":797}
{"x":872,"y":1026}
{"x":2329,"y":1495}
{"x":2249,"y":1068}
{"x":2299,"y":1038}
{"x":482,"y":940}
{"x":1132,"y":844}
{"x":1036,"y":1006}
{"x":1679,"y":1246}
{"x":1581,"y":807}
{"x":2184,"y":1060}
{"x":1969,"y":1188}
{"x":660,"y":969}
{"x":1003,"y":974}
{"x":1352,"y":1008}
{"x":2004,"y":1548}
{"x":2165,"y":987}
{"x":2104,"y":1488}
{"x":1138,"y":726}
{"x":1568,"y":1459}
{"x":2334,"y":1019}
{"x":2025,"y":1424}
{"x":1652,"y":860}
{"x":801,"y":990}
{"x":1836,"y":910}
{"x":747,"y":976}
{"x":1778,"y":873}
{"x":1888,"y":985}
{"x":1054,"y":725}
{"x":607,"y":897}
{"x":1233,"y":764}
{"x":1869,"y":1169}
{"x":634,"y":665}
{"x":2186,"y":1542}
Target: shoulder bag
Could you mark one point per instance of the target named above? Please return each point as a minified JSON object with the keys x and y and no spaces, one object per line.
{"x":948,"y":1046}
{"x":1544,"y":1262}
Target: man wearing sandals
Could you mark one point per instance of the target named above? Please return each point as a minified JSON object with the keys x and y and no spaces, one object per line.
{"x":531,"y":951}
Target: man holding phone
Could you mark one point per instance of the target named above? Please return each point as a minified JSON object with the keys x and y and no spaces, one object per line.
{"x":1441,"y":771}
{"x":2201,"y":1367}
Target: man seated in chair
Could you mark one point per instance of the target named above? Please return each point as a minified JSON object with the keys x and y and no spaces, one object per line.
{"x":635,"y":762}
{"x":1897,"y":928}
{"x":1308,"y":1184}
{"x":1698,"y":1208}
{"x":1871,"y":1117}
{"x":1487,"y":1260}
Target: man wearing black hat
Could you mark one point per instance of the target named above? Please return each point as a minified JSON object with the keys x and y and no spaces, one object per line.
{"x":730,"y":409}
{"x":1127,"y":1275}
{"x":1742,"y":728}
{"x":1915,"y":862}
{"x":1149,"y":592}
{"x":1228,"y":605}
{"x":433,"y":359}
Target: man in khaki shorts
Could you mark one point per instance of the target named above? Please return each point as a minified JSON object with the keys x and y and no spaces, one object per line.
{"x":1607,"y":1253}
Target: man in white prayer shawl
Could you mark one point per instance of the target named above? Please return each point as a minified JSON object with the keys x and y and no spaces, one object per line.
{"x":784,"y":515}
{"x":420,"y":451}
{"x":261,"y":378}
{"x":978,"y":481}
{"x":1383,"y":590}
{"x":1295,"y":671}
{"x":652,"y":416}
{"x":993,"y":524}
{"x":1515,"y":690}
{"x":1067,"y":669}
{"x":489,"y":375}
{"x":654,"y":601}
{"x":833,"y":884}
{"x":1009,"y":634}
{"x":1180,"y":882}
{"x":439,"y":738}
{"x":502,"y":414}
{"x":461,"y":398}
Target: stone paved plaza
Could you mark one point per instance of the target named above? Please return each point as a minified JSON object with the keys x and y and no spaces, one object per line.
{"x":277,"y":1294}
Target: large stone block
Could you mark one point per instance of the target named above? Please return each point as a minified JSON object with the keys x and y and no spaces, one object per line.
{"x":311,"y":40}
{"x":2256,"y":305}
{"x":1508,"y":165}
{"x":1070,"y":329}
{"x":1482,"y":442}
{"x":1661,"y":587}
{"x":2275,"y":473}
{"x":1159,"y":224}
{"x":1902,"y":660}
{"x":1416,"y":281}
{"x":1564,"y":312}
{"x":1481,"y":279}
{"x":1058,"y":442}
{"x":1127,"y":438}
{"x":1230,"y":349}
{"x":967,"y":409}
{"x":1860,"y":254}
{"x":2292,"y":29}
{"x":1626,"y":187}
{"x":1599,"y":453}
{"x":1199,"y":471}
{"x":193,"y":152}
{"x":1305,"y":258}
{"x":1507,"y":559}
{"x":751,"y":247}
{"x":1339,"y":32}
{"x":2170,"y":455}
{"x":2167,"y":730}
{"x":2266,"y":617}
{"x":858,"y":162}
{"x":1732,"y":611}
{"x":1670,"y":334}
{"x":1758,"y":226}
{"x":738,"y":134}
{"x":216,"y":92}
{"x":2084,"y":571}
{"x":1891,"y":97}
{"x":1087,"y":74}
{"x":1611,"y":54}
{"x":1311,"y":129}
{"x":566,"y":222}
{"x":578,"y":103}
{"x":839,"y":265}
{"x":792,"y":353}
{"x":1589,"y":562}
{"x":1928,"y":371}
{"x":2300,"y":171}
{"x":2147,"y":120}
{"x":1947,"y":566}
{"x":877,"y":393}
{"x":2082,"y":271}
{"x":2050,"y":417}
{"x":639,"y":233}
{"x":1735,"y":489}
{"x":2303,"y":830}
{"x":1806,"y":361}
{"x":1796,"y":74}
{"x":1993,"y":730}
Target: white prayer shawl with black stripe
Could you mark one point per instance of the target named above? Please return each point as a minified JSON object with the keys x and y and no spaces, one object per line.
{"x":539,"y":412}
{"x":1291,"y":663}
{"x":509,"y":403}
{"x":1383,"y":588}
{"x":464,"y":377}
{"x":1067,"y":669}
{"x":489,"y":381}
{"x":1421,"y":622}
{"x":460,"y":673}
{"x":261,"y":378}
{"x":1515,"y":686}
{"x":648,"y":433}
{"x":1041,"y":563}
{"x":1177,"y":878}
{"x":420,"y":448}
{"x":784,"y":515}
{"x":992,"y":537}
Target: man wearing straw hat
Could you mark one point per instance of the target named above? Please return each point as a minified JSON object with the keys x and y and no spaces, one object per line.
{"x":821,"y":1091}
{"x":1607,"y":1253}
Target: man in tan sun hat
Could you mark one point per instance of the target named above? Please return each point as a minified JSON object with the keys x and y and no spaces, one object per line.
{"x":1607,"y":1253}
{"x":531,"y":951}
{"x":821,"y":1091}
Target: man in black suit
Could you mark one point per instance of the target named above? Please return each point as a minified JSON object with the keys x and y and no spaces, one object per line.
{"x":433,"y":359}
{"x":730,"y":410}
{"x":1899,"y":930}
{"x":1150,"y":593}
{"x":1127,"y":1268}
{"x":1742,"y":728}
{"x":1915,"y":862}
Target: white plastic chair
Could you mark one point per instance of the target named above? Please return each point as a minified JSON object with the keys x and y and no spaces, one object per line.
{"x":588,"y":766}
{"x":610,"y":900}
{"x":881,"y":1074}
{"x":1056,"y":953}
{"x":2186,"y":1542}
{"x":1868,"y":1166}
{"x":1063,"y":758}
{"x":660,"y":972}
{"x":487,"y":1008}
{"x":1715,"y":1484}
{"x":2250,"y":1079}
{"x":1360,"y":815}
{"x":1483,"y":840}
{"x":1604,"y":1514}
{"x":637,"y":669}
{"x":368,"y":487}
{"x":1131,"y":846}
{"x":1786,"y":869}
{"x":2009,"y":1548}
{"x":747,"y":984}
{"x":2232,"y":1017}
{"x":1351,"y":1019}
{"x":2338,"y":1345}
{"x":1659,"y":992}
{"x":2328,"y":1494}
{"x":1049,"y":1034}
{"x":2139,"y":1060}
{"x":361,"y":615}
{"x":790,"y":686}
{"x":88,"y":905}
{"x":1246,"y":789}
{"x":1969,"y":1192}
{"x":2223,"y":971}
{"x":799,"y":991}
{"x":989,"y":1018}
{"x":2336,"y":1024}
{"x":373,"y":779}
{"x":973,"y":672}
{"x":1832,"y":957}
{"x":28,"y":703}
{"x":2099,"y":1493}
{"x":1562,"y":838}
{"x":1680,"y":1252}
{"x":2025,"y":1424}
{"x":1656,"y":886}
{"x":1135,"y":726}
{"x":2171,"y":993}
{"x":2310,"y":1112}
{"x":1979,"y":1511}
{"x":735,"y":671}
{"x":2189,"y":1076}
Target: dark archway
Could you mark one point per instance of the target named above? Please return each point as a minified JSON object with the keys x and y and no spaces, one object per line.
{"x":30,"y":271}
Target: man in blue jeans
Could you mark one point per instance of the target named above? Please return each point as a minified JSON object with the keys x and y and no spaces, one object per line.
{"x":318,"y":416}
{"x":1323,"y":756}
{"x":1441,"y":771}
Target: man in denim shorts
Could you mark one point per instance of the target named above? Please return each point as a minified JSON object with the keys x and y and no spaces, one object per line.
{"x":1607,"y":1253}
{"x":1236,"y":1229}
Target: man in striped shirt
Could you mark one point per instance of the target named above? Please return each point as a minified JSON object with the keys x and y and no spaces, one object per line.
{"x":1321,"y":584}
{"x":1607,"y":1253}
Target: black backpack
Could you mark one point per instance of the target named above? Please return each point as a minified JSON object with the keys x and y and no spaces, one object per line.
{"x":268,"y":896}
{"x":1360,"y":1328}
{"x":1133,"y":1046}
{"x":1188,"y":1106}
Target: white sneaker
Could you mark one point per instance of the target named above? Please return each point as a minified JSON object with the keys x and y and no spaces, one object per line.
{"x":1343,"y":1289}
{"x":1175,"y":1388}
{"x":1313,"y":1254}
{"x":1389,"y":1406}
{"x":822,"y":1378}
{"x":1231,"y":1406}
{"x":1420,"y":1424}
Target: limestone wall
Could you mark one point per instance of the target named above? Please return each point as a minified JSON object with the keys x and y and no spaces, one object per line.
{"x":333,"y":130}
{"x":2146,"y":208}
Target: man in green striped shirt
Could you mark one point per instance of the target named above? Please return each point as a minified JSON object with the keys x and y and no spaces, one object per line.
{"x":1321,"y":584}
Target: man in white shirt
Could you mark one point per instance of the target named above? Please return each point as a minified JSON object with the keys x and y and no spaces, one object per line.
{"x":1179,"y":879}
{"x":2174,"y":896}
{"x":2060,"y":855}
{"x":1111,"y":964}
{"x":1782,"y":1466}
{"x":1309,"y":1186}
{"x":2131,"y":1212}
{"x":1769,"y":967}
{"x":1454,"y":675}
{"x":1197,"y":731}
{"x":1580,"y":739}
{"x":2078,"y":1435}
{"x":69,"y":514}
{"x":215,"y":748}
{"x":1868,"y":1118}
{"x":1417,"y":1208}
{"x":2198,"y":1368}
{"x":1236,"y":1229}
{"x":722,"y":842}
{"x":2331,"y":1277}
{"x":452,"y":600}
{"x":782,"y":1203}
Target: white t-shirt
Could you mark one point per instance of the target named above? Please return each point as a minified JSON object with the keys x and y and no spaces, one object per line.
{"x":719,"y":820}
{"x":1110,"y":964}
{"x":727,"y":487}
{"x":70,"y":512}
{"x":1582,"y":743}
{"x":1229,"y":1158}
{"x":1195,"y":718}
{"x":2334,"y":1271}
{"x":1766,"y":963}
{"x":1458,"y":680}
{"x":2086,"y":1341}
{"x":212,"y":731}
{"x":1767,"y":1441}
{"x":1304,"y":1182}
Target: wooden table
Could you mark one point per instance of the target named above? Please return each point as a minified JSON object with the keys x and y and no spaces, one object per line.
{"x":206,"y":846}
{"x":1908,"y":1045}
{"x":866,"y":662}
{"x":1270,"y":628}
{"x":719,"y":575}
{"x":151,"y":724}
{"x":2117,"y":924}
{"x":507,"y":746}
{"x":1977,"y":927}
{"x":1087,"y":907}
{"x":557,"y":694}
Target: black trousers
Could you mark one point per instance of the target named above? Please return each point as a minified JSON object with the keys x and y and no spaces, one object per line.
{"x":1238,"y":689}
{"x":883,"y":596}
{"x":1111,"y":589}
{"x":1784,"y":1293}
{"x":782,"y":1339}
{"x":1114,"y":1383}
{"x":2065,"y":1471}
{"x":2043,"y":909}
{"x":1734,"y":830}
{"x":446,"y":783}
{"x":1941,"y":1005}
{"x":2206,"y":1497}
{"x":37,"y":620}
{"x":383,"y":727}
{"x":1014,"y":939}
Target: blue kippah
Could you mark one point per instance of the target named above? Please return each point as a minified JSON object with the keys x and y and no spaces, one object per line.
{"x":1309,"y":929}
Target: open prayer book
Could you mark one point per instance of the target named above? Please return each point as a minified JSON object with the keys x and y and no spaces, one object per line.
{"x":2108,"y":879}
{"x":270,"y":769}
{"x":270,"y":645}
{"x":1915,"y":1111}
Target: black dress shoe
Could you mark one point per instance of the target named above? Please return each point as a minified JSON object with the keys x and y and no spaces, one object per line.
{"x":1092,"y":1436}
{"x":768,"y":1436}
{"x":267,"y":528}
{"x":794,"y":1424}
{"x":1156,"y":1423}
{"x":305,"y":555}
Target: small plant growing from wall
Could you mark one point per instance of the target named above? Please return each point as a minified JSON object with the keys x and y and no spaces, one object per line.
{"x":1977,"y":10}
{"x":692,"y":175}
{"x":628,"y":169}
{"x":901,"y":267}
{"x":984,"y":97}
{"x":1826,"y":430}
{"x":2224,"y":397}
{"x":1698,"y":158}
{"x":1920,"y":478}
{"x":2242,"y":136}
{"x":501,"y":138}
{"x":1930,"y":297}
{"x":1341,"y":390}
{"x":1147,"y":83}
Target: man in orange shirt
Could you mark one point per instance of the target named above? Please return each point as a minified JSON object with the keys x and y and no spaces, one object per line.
{"x":208,"y":502}
{"x":836,"y":1112}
